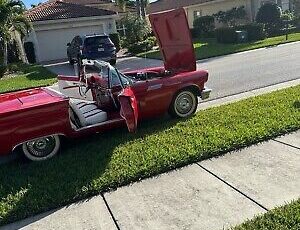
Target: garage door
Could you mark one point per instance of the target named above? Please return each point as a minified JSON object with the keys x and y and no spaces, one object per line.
{"x":53,"y":43}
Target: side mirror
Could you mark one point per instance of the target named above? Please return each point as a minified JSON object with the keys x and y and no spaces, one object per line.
{"x":68,"y":44}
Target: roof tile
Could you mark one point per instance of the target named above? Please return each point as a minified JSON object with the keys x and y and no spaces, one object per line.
{"x":62,"y":10}
{"x":162,"y":5}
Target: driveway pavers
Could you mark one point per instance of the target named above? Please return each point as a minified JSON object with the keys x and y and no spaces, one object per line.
{"x":188,"y":198}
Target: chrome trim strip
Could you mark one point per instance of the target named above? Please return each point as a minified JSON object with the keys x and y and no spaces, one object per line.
{"x":100,"y":124}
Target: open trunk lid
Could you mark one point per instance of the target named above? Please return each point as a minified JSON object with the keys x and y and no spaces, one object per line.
{"x":27,"y":98}
{"x":173,"y":35}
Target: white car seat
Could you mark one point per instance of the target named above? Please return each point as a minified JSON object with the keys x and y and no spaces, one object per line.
{"x":87,"y":112}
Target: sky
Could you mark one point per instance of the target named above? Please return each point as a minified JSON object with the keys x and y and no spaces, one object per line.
{"x":29,"y":2}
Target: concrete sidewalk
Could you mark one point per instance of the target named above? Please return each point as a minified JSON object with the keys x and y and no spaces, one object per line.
{"x":212,"y":194}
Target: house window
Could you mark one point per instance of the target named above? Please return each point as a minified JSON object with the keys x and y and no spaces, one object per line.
{"x":121,"y":29}
{"x":197,"y":14}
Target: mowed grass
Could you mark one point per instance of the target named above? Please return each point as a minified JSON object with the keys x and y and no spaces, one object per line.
{"x":286,"y":217}
{"x":205,"y":48}
{"x":26,"y":76}
{"x":98,"y":163}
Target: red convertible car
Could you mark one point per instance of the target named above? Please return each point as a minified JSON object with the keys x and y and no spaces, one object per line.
{"x":34,"y":120}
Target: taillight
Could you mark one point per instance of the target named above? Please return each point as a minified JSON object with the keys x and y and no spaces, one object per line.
{"x":110,"y":45}
{"x":83,"y":49}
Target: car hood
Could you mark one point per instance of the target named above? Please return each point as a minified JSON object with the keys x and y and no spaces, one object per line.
{"x":173,"y":35}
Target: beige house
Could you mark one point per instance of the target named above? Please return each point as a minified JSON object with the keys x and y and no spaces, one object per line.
{"x":198,"y":8}
{"x":56,"y":23}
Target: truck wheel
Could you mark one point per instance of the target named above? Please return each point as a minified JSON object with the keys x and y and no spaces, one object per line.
{"x":184,"y":104}
{"x":41,"y":148}
{"x":71,"y":61}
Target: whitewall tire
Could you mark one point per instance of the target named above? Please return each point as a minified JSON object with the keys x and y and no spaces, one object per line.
{"x":184,"y":104}
{"x":41,"y":148}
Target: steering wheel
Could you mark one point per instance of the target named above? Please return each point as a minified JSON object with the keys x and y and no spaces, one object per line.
{"x":83,"y":88}
{"x":83,"y":83}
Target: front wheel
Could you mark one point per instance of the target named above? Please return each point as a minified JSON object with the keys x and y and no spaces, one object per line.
{"x":41,"y":148}
{"x":184,"y":104}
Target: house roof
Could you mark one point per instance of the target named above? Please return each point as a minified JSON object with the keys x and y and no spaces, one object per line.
{"x":86,"y":2}
{"x":62,"y":10}
{"x":162,"y":5}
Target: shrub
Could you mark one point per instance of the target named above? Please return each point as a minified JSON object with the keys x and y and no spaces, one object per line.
{"x":269,"y":13}
{"x":137,"y":29}
{"x":2,"y":70}
{"x":204,"y":25}
{"x":143,"y":46}
{"x":29,"y":50}
{"x":194,"y":32}
{"x":226,"y":35}
{"x":230,"y":17}
{"x":256,"y":31}
{"x":152,"y":41}
{"x":115,"y":38}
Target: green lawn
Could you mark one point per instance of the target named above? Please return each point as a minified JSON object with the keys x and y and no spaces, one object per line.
{"x":286,"y":217}
{"x":105,"y":161}
{"x":205,"y":48}
{"x":26,"y":76}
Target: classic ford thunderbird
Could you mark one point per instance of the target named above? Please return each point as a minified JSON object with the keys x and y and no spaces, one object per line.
{"x":100,"y":97}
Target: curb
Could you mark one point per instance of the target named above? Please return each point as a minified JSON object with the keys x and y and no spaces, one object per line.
{"x":244,"y":95}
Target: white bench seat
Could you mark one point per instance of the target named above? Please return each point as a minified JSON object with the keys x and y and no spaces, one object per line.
{"x":87,"y":112}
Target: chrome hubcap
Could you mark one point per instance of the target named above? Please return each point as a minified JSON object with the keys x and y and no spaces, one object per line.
{"x":41,"y":147}
{"x":184,"y":103}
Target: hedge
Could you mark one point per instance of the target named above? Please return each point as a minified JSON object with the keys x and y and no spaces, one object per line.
{"x":204,"y":26}
{"x":256,"y":31}
{"x":226,"y":35}
{"x":143,"y":46}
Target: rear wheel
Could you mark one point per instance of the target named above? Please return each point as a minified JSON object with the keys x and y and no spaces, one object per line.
{"x":184,"y":104}
{"x":113,"y":61}
{"x":71,"y":61}
{"x":41,"y":148}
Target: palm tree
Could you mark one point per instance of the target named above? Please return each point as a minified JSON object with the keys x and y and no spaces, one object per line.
{"x":12,"y":24}
{"x":140,"y":6}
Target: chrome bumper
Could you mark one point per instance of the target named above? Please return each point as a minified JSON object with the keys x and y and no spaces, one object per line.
{"x":205,"y":93}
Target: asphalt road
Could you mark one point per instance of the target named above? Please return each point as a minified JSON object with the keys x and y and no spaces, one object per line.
{"x":231,"y":74}
{"x":243,"y":72}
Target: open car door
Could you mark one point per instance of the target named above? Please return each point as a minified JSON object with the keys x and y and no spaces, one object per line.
{"x":129,"y":108}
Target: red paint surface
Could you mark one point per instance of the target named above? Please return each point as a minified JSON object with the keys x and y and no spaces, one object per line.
{"x":174,"y":37}
{"x":34,"y":113}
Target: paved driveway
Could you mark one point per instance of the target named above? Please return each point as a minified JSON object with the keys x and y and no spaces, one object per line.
{"x":231,"y":74}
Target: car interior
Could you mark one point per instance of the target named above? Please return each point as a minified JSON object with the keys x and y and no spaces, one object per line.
{"x":104,"y":83}
{"x":94,"y":96}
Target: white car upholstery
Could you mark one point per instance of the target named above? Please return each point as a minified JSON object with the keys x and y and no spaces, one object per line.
{"x":87,"y":112}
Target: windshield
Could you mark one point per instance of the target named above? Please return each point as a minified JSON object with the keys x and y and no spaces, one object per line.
{"x":116,"y":76}
{"x":96,"y":41}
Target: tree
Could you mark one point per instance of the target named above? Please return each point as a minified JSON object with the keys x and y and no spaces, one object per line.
{"x":230,"y":17}
{"x":296,"y":6}
{"x":269,"y":14}
{"x":12,"y":23}
{"x":139,"y":4}
{"x":204,"y":25}
{"x":136,"y":29}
